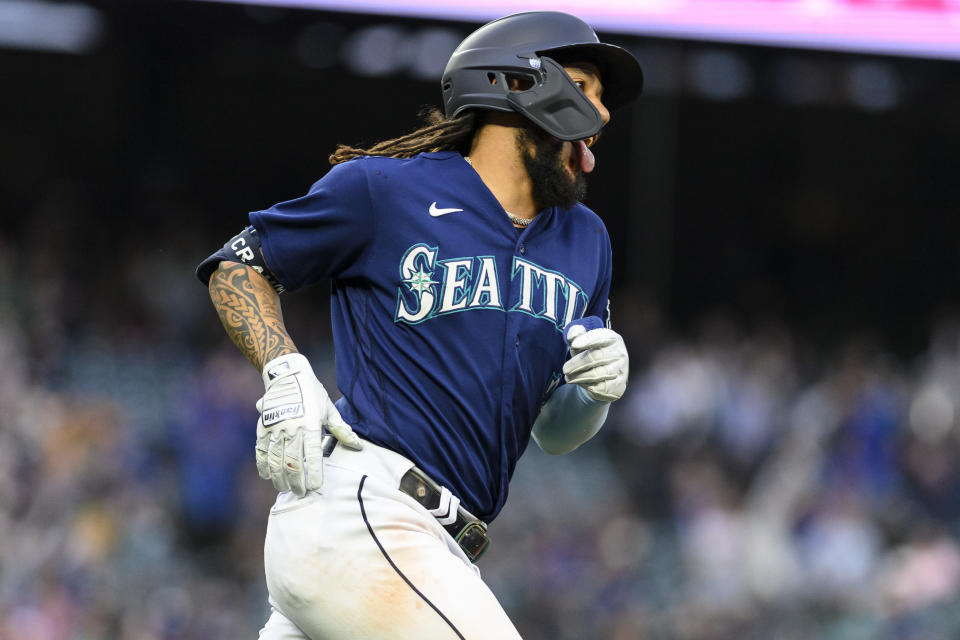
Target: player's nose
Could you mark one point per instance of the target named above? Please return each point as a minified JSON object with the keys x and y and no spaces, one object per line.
{"x":604,"y":112}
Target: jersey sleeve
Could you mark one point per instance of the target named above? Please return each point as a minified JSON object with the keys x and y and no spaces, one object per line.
{"x":326,"y":233}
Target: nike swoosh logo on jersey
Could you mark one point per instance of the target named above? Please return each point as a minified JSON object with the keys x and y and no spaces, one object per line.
{"x":435,"y":212}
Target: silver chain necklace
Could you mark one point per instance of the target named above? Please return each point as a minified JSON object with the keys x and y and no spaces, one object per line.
{"x":517,"y":220}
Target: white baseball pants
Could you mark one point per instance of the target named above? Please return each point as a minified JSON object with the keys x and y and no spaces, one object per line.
{"x":360,"y":560}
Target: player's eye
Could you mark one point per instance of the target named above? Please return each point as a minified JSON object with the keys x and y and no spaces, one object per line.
{"x":581,"y":84}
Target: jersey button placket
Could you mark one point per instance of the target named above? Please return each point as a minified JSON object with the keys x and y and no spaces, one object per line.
{"x":523,"y":250}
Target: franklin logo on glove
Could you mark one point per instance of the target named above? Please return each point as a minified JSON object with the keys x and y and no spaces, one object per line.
{"x":274,"y":416}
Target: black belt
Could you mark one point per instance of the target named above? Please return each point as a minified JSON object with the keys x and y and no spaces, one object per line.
{"x":469,"y":531}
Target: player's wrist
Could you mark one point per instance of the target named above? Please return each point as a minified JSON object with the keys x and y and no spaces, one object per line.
{"x":283,"y":366}
{"x":587,"y":399}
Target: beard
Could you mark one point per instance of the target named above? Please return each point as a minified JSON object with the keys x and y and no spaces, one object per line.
{"x":542,"y":155}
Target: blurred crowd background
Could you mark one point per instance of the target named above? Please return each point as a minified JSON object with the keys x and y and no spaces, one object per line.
{"x":785,"y":464}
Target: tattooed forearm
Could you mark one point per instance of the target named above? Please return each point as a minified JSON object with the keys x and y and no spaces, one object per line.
{"x":249,"y":309}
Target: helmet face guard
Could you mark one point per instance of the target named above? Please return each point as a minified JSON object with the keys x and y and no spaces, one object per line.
{"x":526,"y":45}
{"x":554,"y":103}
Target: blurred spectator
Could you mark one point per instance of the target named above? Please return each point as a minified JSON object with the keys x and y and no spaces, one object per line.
{"x":211,"y":440}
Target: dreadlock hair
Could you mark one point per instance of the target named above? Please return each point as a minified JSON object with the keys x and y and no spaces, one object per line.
{"x":440,"y":133}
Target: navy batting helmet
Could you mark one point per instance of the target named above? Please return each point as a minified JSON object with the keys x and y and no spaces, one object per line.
{"x":528,"y":45}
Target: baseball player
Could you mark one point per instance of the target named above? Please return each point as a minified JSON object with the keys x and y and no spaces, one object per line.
{"x":470,"y":312}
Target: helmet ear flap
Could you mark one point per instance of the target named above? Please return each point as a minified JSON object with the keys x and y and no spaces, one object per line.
{"x":556,"y":104}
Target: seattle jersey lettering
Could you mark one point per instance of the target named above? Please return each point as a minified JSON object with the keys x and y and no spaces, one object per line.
{"x":433,"y":287}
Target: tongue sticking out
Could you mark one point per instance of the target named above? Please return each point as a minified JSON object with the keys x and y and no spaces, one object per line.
{"x":587,"y":161}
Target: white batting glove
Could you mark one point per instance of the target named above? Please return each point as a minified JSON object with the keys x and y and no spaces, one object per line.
{"x":293,"y":412}
{"x":599,"y":362}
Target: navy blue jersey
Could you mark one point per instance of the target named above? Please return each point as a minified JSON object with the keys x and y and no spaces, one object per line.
{"x":447,"y":321}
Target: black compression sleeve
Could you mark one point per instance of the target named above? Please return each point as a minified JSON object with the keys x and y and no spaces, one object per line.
{"x":245,"y":249}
